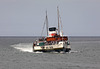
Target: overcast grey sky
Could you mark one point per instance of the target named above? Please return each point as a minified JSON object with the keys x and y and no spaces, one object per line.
{"x":26,"y":17}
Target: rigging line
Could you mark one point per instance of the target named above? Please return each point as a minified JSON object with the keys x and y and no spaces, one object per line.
{"x":58,"y":20}
{"x":47,"y":23}
{"x":61,"y":25}
{"x":43,"y":29}
{"x":61,"y":28}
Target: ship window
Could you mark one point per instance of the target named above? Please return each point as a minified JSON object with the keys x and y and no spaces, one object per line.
{"x":46,"y":47}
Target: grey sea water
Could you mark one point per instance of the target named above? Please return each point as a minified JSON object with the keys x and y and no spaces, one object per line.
{"x":16,"y":53}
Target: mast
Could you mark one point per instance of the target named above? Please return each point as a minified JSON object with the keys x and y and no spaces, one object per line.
{"x":46,"y":23}
{"x":58,"y":20}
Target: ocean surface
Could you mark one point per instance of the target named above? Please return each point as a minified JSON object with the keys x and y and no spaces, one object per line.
{"x":16,"y":53}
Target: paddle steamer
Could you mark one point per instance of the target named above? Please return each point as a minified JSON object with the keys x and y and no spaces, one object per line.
{"x":55,"y":40}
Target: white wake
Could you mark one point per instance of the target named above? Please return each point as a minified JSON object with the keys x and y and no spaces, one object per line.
{"x":25,"y":47}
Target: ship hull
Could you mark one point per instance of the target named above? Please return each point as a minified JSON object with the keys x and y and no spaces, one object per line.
{"x":56,"y":47}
